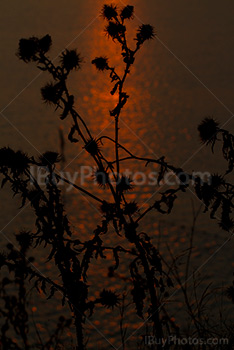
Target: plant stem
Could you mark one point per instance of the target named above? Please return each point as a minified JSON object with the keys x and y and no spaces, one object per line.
{"x":79,"y":331}
{"x":79,"y":188}
{"x":154,"y":299}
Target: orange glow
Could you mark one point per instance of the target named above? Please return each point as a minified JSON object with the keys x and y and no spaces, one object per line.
{"x":94,"y":102}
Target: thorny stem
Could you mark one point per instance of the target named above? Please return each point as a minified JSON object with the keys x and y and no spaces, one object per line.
{"x":184,"y":291}
{"x":117,"y":146}
{"x":79,"y":331}
{"x":149,"y":276}
{"x":132,"y":156}
{"x":97,"y":158}
{"x":150,"y":280}
{"x":32,"y":272}
{"x":28,"y":173}
{"x":145,"y":212}
{"x":120,"y":88}
{"x":152,"y":291}
{"x":195,"y":216}
{"x":79,"y":188}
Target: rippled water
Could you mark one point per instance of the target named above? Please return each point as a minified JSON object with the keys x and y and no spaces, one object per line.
{"x":186,"y":73}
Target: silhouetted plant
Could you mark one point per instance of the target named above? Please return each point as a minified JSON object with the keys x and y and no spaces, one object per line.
{"x":72,"y":257}
{"x":217,"y":194}
{"x":14,"y":306}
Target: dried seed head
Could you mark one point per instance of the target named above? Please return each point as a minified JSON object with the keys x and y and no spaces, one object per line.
{"x":17,"y":162}
{"x":145,"y":32}
{"x":109,"y":298}
{"x":124,"y":184}
{"x":109,"y":12}
{"x":108,"y":208}
{"x":101,"y":63}
{"x":70,"y":60}
{"x":44,"y":44}
{"x":127,"y":12}
{"x":28,"y":49}
{"x":130,"y":208}
{"x":208,"y":130}
{"x":51,"y":93}
{"x":115,"y":30}
{"x":216,"y":181}
{"x":92,"y":147}
{"x":101,"y":177}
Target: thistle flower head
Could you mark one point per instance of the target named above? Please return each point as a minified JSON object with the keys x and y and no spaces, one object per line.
{"x":70,"y":60}
{"x":108,"y":208}
{"x":101,"y":63}
{"x":28,"y":49}
{"x":109,"y":12}
{"x":216,"y":181}
{"x":208,"y":130}
{"x":124,"y":184}
{"x":109,"y":298}
{"x":115,"y":30}
{"x":130,"y":208}
{"x":145,"y":32}
{"x":92,"y":147}
{"x":17,"y":162}
{"x":49,"y":158}
{"x":127,"y":12}
{"x":51,"y":93}
{"x":101,"y":177}
{"x":44,"y":44}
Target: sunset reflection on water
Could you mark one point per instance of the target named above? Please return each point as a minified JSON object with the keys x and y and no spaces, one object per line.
{"x":142,"y":133}
{"x":95,"y":103}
